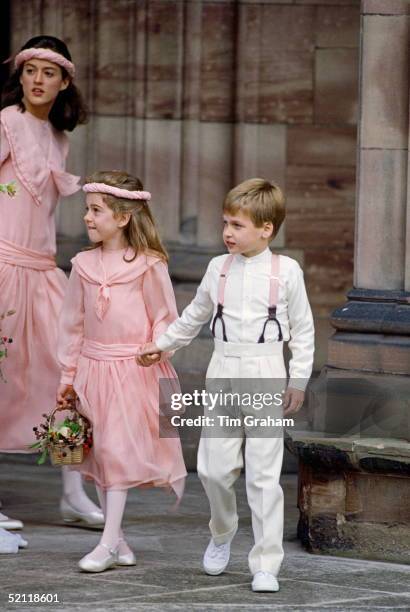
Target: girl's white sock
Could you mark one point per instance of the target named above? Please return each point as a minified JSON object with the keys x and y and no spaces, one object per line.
{"x":74,"y":492}
{"x":123,"y":547}
{"x":113,"y":504}
{"x":101,"y":498}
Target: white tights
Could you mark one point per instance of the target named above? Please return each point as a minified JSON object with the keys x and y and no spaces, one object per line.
{"x":113,"y":505}
{"x":74,"y":492}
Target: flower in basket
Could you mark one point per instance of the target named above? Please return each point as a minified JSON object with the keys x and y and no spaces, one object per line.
{"x":9,"y":189}
{"x":66,"y":441}
{"x":64,"y":431}
{"x":4,"y":341}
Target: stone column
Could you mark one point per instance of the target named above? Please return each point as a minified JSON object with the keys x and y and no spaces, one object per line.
{"x":383,"y":148}
{"x":355,"y":463}
{"x":378,"y":302}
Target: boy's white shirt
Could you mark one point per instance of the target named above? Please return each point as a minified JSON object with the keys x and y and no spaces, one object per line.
{"x":246,"y":309}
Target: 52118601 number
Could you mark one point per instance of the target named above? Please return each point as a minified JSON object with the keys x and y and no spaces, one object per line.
{"x":33,"y":598}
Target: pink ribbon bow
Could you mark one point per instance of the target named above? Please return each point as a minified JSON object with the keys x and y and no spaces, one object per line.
{"x":103,"y":301}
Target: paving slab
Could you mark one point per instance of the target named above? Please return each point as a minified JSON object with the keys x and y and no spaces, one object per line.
{"x":169,"y":547}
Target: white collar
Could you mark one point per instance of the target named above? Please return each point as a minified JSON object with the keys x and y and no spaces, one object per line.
{"x":256,"y":259}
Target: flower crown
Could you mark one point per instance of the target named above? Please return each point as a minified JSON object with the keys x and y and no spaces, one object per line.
{"x":116,"y":191}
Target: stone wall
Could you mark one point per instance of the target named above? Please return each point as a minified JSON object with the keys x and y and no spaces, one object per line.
{"x":354,"y":461}
{"x":195,"y":96}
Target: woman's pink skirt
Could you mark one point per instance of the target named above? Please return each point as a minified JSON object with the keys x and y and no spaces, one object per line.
{"x":31,"y":367}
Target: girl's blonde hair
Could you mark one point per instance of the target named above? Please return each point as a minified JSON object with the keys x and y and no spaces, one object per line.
{"x":140,"y":231}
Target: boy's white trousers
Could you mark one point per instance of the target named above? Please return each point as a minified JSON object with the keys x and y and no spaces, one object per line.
{"x":220,"y":458}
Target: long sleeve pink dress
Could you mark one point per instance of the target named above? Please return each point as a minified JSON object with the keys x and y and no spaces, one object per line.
{"x":111,"y":309}
{"x":33,"y":154}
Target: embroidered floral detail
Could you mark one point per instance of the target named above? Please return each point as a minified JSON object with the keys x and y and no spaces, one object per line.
{"x":9,"y":189}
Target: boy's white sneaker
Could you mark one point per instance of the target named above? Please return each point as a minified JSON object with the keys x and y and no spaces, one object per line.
{"x":216,"y":558}
{"x":264,"y":582}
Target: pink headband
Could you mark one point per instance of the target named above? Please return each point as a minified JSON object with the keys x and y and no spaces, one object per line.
{"x":116,"y":191}
{"x":45,"y":54}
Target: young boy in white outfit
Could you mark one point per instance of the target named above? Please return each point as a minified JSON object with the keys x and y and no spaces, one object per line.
{"x":257,"y":300}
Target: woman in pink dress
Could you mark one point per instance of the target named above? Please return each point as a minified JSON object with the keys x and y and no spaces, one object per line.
{"x":119,"y":298}
{"x":39,"y":102}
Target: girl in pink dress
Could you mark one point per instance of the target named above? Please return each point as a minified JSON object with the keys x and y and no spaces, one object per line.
{"x":119,"y":298}
{"x":39,"y":102}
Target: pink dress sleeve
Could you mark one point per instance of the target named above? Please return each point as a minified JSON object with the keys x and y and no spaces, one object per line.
{"x":159,"y":298}
{"x":71,"y":329}
{"x":4,"y":146}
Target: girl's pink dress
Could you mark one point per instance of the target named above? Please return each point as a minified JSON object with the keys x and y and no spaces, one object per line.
{"x":33,"y":154}
{"x":111,"y":309}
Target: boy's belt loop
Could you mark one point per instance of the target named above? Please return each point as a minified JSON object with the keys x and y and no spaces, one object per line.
{"x":249,"y":350}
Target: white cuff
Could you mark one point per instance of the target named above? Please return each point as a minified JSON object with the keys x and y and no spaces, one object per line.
{"x":298,"y":383}
{"x":163,"y":343}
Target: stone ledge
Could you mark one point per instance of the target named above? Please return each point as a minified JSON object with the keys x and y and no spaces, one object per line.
{"x":351,"y":449}
{"x":367,"y":352}
{"x":374,"y":310}
{"x":353,"y":496}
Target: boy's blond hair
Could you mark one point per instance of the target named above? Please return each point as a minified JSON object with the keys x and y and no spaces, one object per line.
{"x":261,"y":200}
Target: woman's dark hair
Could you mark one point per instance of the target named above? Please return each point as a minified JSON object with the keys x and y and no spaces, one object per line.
{"x":68,"y":109}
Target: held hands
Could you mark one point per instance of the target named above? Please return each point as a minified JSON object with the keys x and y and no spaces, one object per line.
{"x":65,"y":396}
{"x":148,"y":355}
{"x":293,"y":401}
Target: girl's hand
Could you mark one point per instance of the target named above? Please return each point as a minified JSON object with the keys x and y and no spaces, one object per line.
{"x":148,"y":355}
{"x":293,"y":401}
{"x":148,"y":360}
{"x":65,"y":396}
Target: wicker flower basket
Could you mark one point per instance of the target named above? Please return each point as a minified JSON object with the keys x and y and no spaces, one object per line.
{"x":68,"y":443}
{"x":64,"y":455}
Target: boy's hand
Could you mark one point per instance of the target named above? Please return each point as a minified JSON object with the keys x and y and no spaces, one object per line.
{"x":293,"y":401}
{"x":65,"y":396}
{"x":148,"y":355}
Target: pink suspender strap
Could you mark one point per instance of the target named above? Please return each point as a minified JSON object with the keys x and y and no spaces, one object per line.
{"x":273,"y":297}
{"x":274,"y":281}
{"x":221,"y":297}
{"x":222,"y":279}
